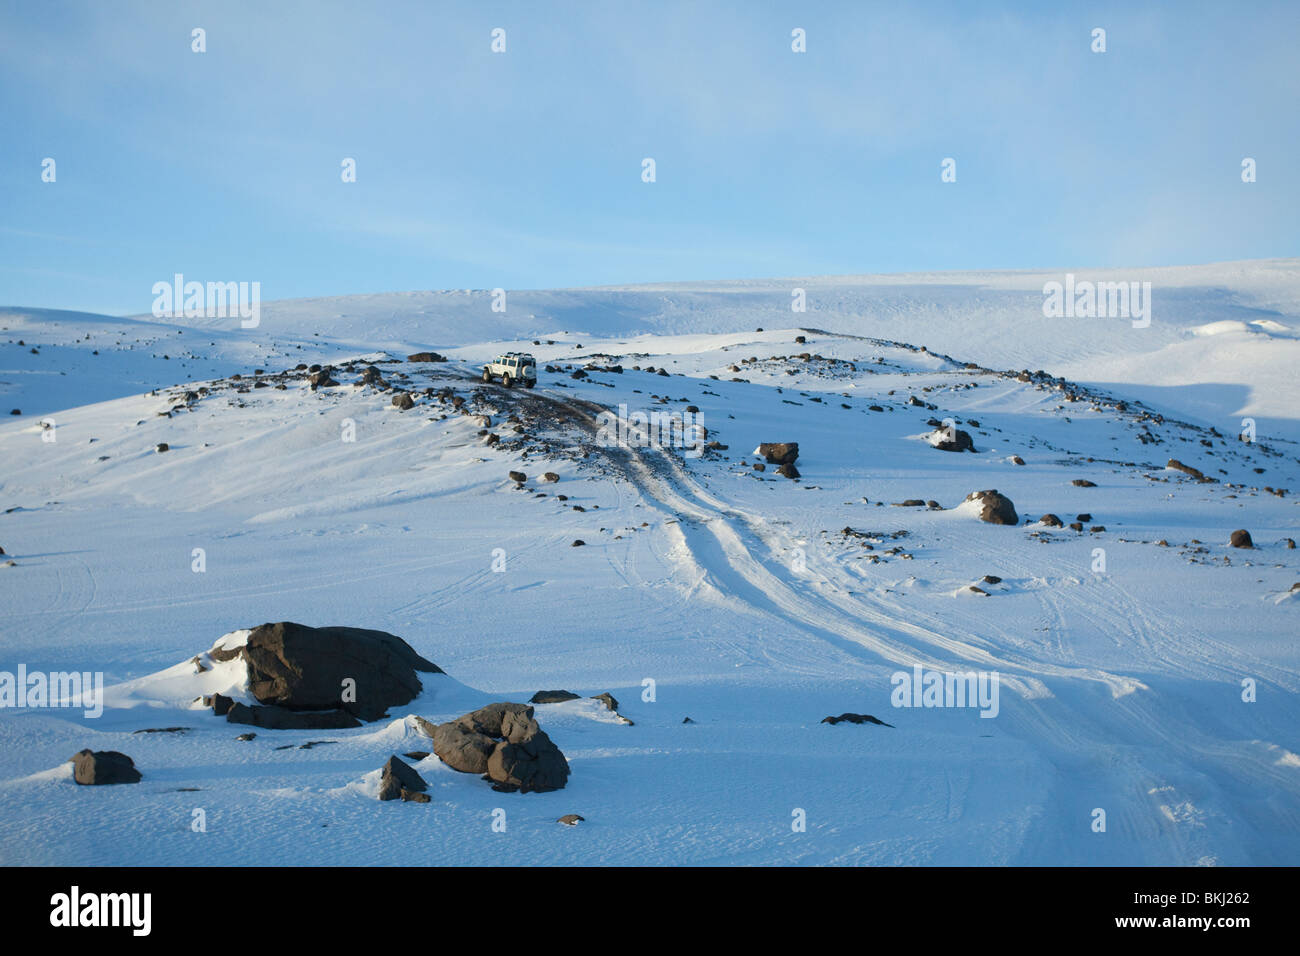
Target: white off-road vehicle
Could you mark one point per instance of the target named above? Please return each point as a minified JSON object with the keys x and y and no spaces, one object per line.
{"x":511,"y":368}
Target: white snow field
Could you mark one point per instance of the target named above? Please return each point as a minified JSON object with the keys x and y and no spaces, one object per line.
{"x":752,"y":603}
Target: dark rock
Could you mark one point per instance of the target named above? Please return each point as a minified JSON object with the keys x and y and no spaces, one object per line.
{"x":997,"y":508}
{"x":416,"y":755}
{"x":956,"y":440}
{"x":321,"y":379}
{"x":1241,"y":539}
{"x":1076,"y":525}
{"x":161,"y":447}
{"x":221,"y":704}
{"x":578,"y":543}
{"x":759,"y":466}
{"x":855,"y":719}
{"x":96,"y":767}
{"x":404,"y":401}
{"x":789,"y":471}
{"x":248,"y":736}
{"x":571,"y":819}
{"x":1177,"y":465}
{"x":551,"y":477}
{"x":779,"y":453}
{"x":991,"y":579}
{"x":608,"y":699}
{"x":520,"y":756}
{"x":1085,"y":517}
{"x":534,"y":764}
{"x":1083,"y":483}
{"x":1017,"y":460}
{"x":910,"y":503}
{"x":304,"y":668}
{"x":518,"y":476}
{"x":552,"y":697}
{"x":426,"y":357}
{"x":280,"y":718}
{"x":415,"y":797}
{"x":687,"y":720}
{"x":462,"y":747}
{"x":399,"y":777}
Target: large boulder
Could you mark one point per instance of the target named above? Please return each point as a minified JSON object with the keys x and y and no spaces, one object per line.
{"x":1241,"y":539}
{"x":504,"y":741}
{"x":303,"y":668}
{"x":463,"y":748}
{"x":533,"y":764}
{"x":95,"y":767}
{"x":778,"y":453}
{"x":995,"y":508}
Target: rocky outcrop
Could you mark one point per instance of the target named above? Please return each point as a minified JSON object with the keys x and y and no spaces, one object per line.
{"x":552,"y":697}
{"x":952,"y":439}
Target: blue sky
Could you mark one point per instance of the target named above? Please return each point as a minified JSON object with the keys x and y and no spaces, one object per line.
{"x":523,"y":169}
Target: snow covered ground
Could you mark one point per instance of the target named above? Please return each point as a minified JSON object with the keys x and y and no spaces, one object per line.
{"x":753,"y":604}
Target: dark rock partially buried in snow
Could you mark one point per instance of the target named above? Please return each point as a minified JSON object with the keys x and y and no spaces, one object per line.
{"x":403,"y":401}
{"x":97,"y":767}
{"x":552,"y":697}
{"x":400,"y":779}
{"x":788,"y":471}
{"x":280,"y":718}
{"x":608,"y":699}
{"x":952,"y":439}
{"x":779,"y":453}
{"x":303,"y":668}
{"x":571,"y":819}
{"x":1051,"y":520}
{"x":1241,"y":539}
{"x":996,"y":508}
{"x":854,"y":719}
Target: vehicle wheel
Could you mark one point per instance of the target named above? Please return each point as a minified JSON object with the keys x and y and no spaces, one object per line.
{"x":505,"y":380}
{"x":530,"y":383}
{"x":487,"y":376}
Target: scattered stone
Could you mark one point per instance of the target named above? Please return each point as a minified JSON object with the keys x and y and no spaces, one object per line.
{"x":855,"y":719}
{"x":161,"y":447}
{"x":789,"y":471}
{"x":426,"y":357}
{"x":1076,"y":526}
{"x":991,"y":579}
{"x":571,"y":820}
{"x":415,"y":796}
{"x":97,"y":767}
{"x":1241,"y":539}
{"x":550,"y":476}
{"x":248,"y":736}
{"x":518,"y":477}
{"x":1051,"y":520}
{"x":1085,"y":517}
{"x":1083,"y":483}
{"x":578,"y":543}
{"x":404,"y":401}
{"x":608,"y":699}
{"x":687,"y":720}
{"x":161,"y":730}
